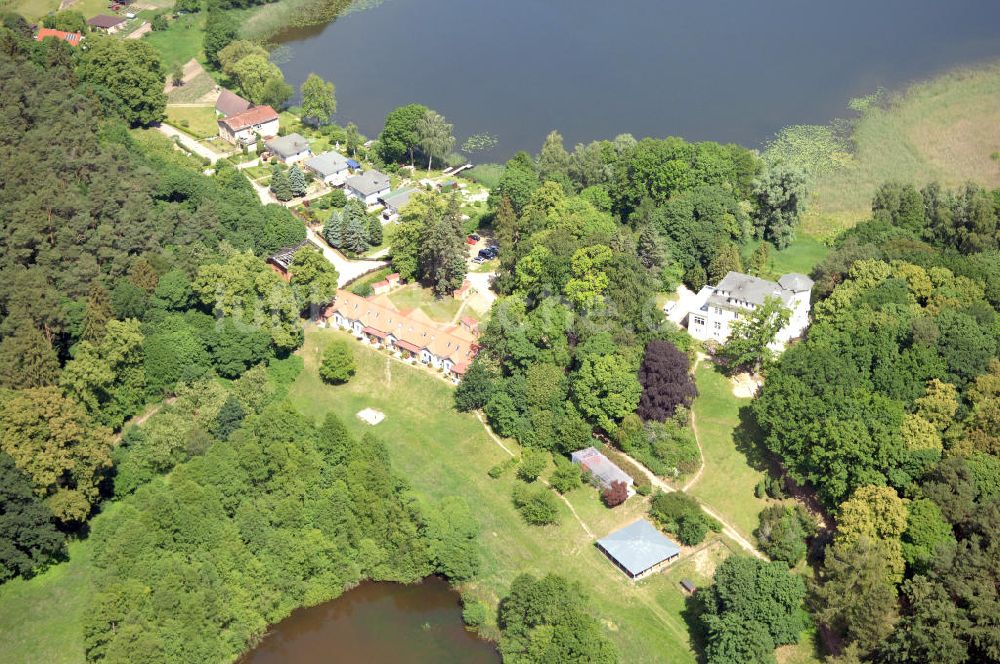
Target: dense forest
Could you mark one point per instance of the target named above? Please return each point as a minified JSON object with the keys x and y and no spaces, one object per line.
{"x":890,"y":410}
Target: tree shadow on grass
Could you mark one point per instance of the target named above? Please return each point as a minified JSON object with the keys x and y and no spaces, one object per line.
{"x":694,"y":608}
{"x":749,"y":440}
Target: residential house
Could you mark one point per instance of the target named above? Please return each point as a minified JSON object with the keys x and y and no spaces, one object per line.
{"x":290,"y":149}
{"x":246,"y":127}
{"x":368,"y":187}
{"x":230,"y":103}
{"x":446,"y":347}
{"x":394,"y":202}
{"x":71,"y":38}
{"x":716,"y":307}
{"x":639,"y":549}
{"x":105,"y":23}
{"x":281,"y":261}
{"x":330,"y":166}
{"x":603,"y":470}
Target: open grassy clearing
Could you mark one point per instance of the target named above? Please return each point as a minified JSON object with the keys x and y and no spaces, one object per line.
{"x":728,"y":480}
{"x":181,"y":41}
{"x":801,"y":255}
{"x":192,"y":91}
{"x":445,"y":453}
{"x":943,"y":129}
{"x":42,"y":618}
{"x":199,"y":121}
{"x":413,"y":296}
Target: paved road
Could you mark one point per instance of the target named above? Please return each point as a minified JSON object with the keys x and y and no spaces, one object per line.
{"x":347,"y":270}
{"x":189,"y":143}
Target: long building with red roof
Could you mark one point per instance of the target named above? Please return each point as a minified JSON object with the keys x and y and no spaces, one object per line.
{"x":450,"y":348}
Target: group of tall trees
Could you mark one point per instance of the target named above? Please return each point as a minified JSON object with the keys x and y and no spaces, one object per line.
{"x":414,"y":130}
{"x":889,"y":411}
{"x":124,"y":274}
{"x":351,"y":228}
{"x":428,"y":244}
{"x":283,"y":514}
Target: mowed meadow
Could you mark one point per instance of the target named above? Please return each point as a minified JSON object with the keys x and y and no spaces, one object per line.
{"x":445,"y":453}
{"x":944,"y":129}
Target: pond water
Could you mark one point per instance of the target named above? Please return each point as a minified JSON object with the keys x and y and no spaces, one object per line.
{"x":377,"y":623}
{"x":726,"y":70}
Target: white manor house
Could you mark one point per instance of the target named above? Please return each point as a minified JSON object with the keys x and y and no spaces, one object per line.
{"x":716,"y":307}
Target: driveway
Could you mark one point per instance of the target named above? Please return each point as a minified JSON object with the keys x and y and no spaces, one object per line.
{"x":481,"y":282}
{"x":347,"y":270}
{"x":189,"y":143}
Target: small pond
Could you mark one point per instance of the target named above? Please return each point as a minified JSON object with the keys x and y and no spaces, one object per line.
{"x":377,"y":623}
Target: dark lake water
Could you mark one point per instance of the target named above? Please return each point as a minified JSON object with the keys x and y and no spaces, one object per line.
{"x":726,"y":70}
{"x":377,"y":623}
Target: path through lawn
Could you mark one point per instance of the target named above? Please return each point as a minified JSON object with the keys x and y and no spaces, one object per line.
{"x":444,"y":453}
{"x":727,"y":481}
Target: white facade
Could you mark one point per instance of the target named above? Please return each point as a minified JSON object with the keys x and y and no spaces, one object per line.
{"x":737,"y":294}
{"x":250,"y":134}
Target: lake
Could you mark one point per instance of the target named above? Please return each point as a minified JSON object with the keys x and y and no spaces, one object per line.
{"x":725,"y":70}
{"x":377,"y":623}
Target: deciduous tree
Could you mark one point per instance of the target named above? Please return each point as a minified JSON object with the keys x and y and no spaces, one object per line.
{"x":752,"y":333}
{"x":338,"y":363}
{"x":318,"y":100}
{"x":666,"y":381}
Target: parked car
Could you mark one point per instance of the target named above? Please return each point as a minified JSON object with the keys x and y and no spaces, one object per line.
{"x":478,"y":260}
{"x":470,"y":240}
{"x":475,"y":237}
{"x":484,"y":254}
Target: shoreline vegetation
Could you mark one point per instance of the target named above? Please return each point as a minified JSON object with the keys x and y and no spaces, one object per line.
{"x":271,"y":20}
{"x":938,"y":129}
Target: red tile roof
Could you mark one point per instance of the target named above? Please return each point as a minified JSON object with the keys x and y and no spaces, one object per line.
{"x":73,"y":38}
{"x":255,"y":116}
{"x":445,"y":341}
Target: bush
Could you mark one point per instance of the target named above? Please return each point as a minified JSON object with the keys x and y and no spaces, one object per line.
{"x":363,"y":290}
{"x":566,"y":477}
{"x":783,"y":531}
{"x":338,"y":363}
{"x":616,"y":494}
{"x":159,"y":22}
{"x":537,"y":505}
{"x":475,"y":613}
{"x":499,"y":470}
{"x":641,"y":484}
{"x":533,"y":462}
{"x":681,"y":515}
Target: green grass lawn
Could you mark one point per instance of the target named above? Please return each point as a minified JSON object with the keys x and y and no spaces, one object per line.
{"x":181,"y":41}
{"x":413,"y":296}
{"x":42,"y":617}
{"x":801,"y":255}
{"x":199,"y":121}
{"x":445,"y":453}
{"x":30,"y":9}
{"x":728,"y":481}
{"x":943,"y":129}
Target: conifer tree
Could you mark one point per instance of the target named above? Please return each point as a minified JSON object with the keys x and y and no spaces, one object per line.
{"x":297,"y":181}
{"x":280,"y":186}
{"x":356,"y":235}
{"x":27,"y":359}
{"x":758,"y":262}
{"x":98,"y":313}
{"x":334,"y":229}
{"x":374,"y":232}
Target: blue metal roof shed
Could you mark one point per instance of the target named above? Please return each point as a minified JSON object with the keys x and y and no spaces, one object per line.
{"x":639,"y":548}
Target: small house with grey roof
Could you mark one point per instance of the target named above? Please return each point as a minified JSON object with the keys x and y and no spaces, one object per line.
{"x":368,"y":187}
{"x":330,"y":166}
{"x":716,"y":307}
{"x":639,"y":549}
{"x":290,"y":149}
